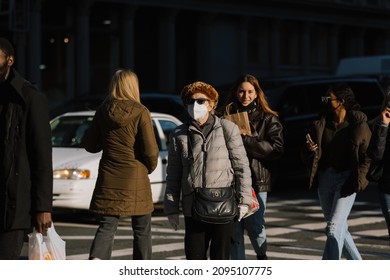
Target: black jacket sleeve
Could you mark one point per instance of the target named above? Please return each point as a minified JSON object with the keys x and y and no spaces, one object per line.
{"x":376,"y":148}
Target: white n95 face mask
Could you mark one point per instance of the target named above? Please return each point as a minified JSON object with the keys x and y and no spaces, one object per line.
{"x":197,"y":111}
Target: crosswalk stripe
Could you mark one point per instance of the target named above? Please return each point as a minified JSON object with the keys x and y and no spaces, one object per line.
{"x":280,"y":231}
{"x":128,"y":251}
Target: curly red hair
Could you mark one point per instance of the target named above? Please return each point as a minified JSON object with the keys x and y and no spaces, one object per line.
{"x":199,"y":87}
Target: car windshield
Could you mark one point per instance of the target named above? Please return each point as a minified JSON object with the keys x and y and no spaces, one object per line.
{"x":69,"y":131}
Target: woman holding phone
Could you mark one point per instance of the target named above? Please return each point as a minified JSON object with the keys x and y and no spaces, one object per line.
{"x":336,"y":154}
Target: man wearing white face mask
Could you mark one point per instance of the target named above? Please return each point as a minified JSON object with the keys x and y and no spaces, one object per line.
{"x":205,"y":152}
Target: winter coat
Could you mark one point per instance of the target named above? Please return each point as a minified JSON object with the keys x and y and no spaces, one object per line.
{"x":263,"y":147}
{"x":26,"y":175}
{"x":123,"y":129}
{"x":379,"y":150}
{"x":360,"y":135}
{"x":214,"y":161}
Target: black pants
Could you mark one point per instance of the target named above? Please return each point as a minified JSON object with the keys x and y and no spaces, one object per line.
{"x":11,"y":244}
{"x":200,"y":236}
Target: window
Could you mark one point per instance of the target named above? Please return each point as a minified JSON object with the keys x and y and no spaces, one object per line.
{"x":69,"y":131}
{"x":167,"y":127}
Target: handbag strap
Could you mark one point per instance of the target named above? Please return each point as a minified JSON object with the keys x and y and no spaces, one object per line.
{"x":190,"y":157}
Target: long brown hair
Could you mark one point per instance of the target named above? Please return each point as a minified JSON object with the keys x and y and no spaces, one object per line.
{"x":262,"y":102}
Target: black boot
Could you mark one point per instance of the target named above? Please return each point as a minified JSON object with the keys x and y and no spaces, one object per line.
{"x":262,"y":257}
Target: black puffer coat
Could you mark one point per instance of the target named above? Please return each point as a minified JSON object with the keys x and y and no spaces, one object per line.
{"x":26,"y":174}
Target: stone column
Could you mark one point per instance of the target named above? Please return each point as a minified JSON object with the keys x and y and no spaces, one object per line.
{"x":82,"y":56}
{"x":70,"y":70}
{"x":167,"y":51}
{"x":275,"y":47}
{"x":305,"y":48}
{"x":360,"y":34}
{"x":334,"y":47}
{"x":243,"y":46}
{"x":204,"y":46}
{"x":114,"y":42}
{"x":127,"y":57}
{"x":20,"y":41}
{"x":34,"y":45}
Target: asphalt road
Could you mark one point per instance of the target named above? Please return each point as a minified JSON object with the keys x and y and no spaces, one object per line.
{"x":295,"y":230}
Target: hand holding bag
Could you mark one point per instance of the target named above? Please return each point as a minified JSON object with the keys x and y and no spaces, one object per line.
{"x":48,"y":247}
{"x":55,"y":245}
{"x":241,"y":119}
{"x":37,"y":249}
{"x":255,"y":205}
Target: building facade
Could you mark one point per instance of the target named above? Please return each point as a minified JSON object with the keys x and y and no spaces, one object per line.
{"x":72,"y":47}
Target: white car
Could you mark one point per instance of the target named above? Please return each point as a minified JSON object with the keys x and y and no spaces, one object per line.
{"x":75,"y":170}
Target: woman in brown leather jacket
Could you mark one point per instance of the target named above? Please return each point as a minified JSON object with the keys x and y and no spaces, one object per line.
{"x":263,"y":147}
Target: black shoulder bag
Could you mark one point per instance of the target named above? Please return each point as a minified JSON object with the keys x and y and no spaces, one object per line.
{"x":213,"y":205}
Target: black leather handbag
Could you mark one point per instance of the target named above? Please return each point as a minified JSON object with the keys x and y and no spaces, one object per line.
{"x":214,"y":205}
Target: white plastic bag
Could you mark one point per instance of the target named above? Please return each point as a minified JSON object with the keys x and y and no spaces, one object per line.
{"x":55,"y":245}
{"x":48,"y":247}
{"x":37,"y":249}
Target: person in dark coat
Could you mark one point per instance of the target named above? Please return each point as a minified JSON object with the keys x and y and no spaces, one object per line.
{"x":379,"y":152}
{"x":336,"y":155}
{"x":122,"y":128}
{"x":26,"y":174}
{"x":264,"y":146}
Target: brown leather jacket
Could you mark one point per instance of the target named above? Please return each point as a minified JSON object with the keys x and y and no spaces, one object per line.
{"x":263,"y":147}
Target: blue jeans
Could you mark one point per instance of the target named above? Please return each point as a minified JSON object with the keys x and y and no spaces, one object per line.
{"x":336,"y":210}
{"x":384,"y":199}
{"x":255,"y":227}
{"x":104,"y":238}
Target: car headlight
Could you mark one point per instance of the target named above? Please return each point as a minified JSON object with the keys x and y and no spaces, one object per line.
{"x":74,"y":174}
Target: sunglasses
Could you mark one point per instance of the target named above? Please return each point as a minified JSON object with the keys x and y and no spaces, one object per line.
{"x":327,"y":99}
{"x":200,"y":101}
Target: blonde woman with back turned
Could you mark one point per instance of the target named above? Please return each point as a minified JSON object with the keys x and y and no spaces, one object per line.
{"x":122,"y":128}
